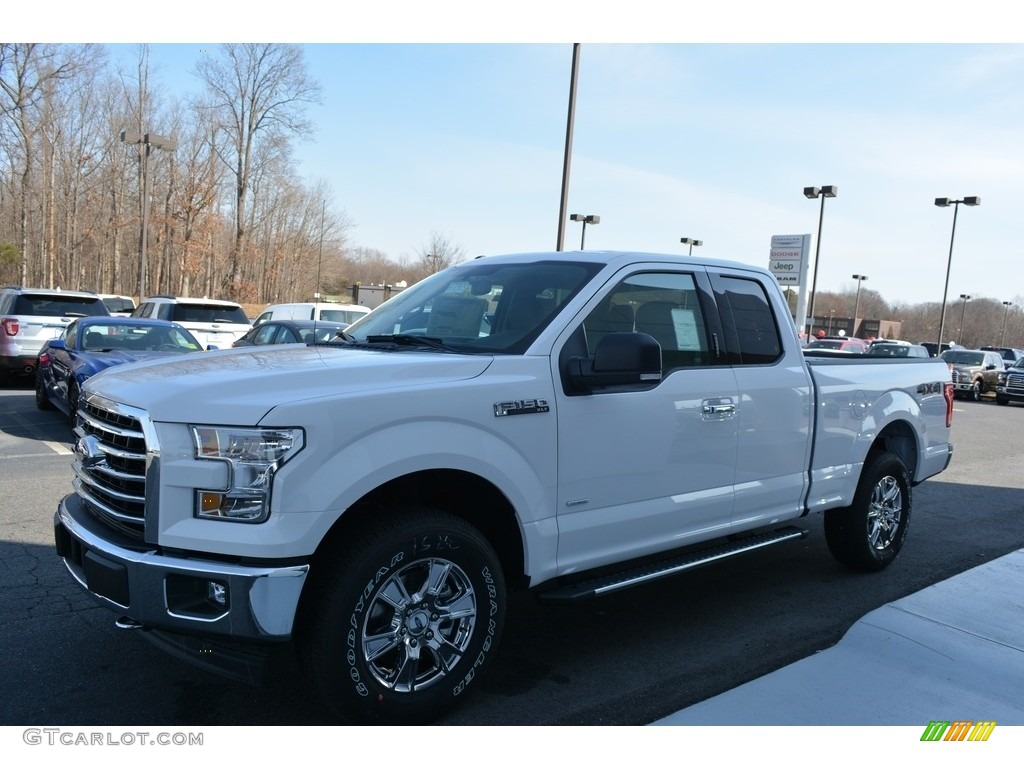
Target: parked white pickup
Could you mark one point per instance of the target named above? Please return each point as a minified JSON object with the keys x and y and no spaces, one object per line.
{"x":569,"y":423}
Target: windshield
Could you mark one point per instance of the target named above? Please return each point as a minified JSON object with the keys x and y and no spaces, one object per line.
{"x":478,"y":306}
{"x":960,"y":357}
{"x":137,"y":337}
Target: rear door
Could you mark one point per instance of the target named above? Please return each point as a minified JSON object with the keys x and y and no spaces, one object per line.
{"x":774,"y":400}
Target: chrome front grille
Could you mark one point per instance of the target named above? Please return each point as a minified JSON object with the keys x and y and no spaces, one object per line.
{"x":110,"y":464}
{"x":1015,"y":381}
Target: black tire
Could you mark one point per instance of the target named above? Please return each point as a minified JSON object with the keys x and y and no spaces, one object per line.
{"x":42,"y":401}
{"x":1002,"y":400}
{"x":402,"y":618}
{"x":976,"y":391}
{"x":867,"y":535}
{"x":72,"y":404}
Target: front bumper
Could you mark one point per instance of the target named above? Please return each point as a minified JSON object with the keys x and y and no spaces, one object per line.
{"x":173,"y":592}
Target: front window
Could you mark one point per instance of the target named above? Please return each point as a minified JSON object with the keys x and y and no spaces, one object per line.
{"x":478,"y":306}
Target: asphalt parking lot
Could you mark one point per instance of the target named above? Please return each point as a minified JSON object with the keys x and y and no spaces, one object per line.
{"x":630,"y":659}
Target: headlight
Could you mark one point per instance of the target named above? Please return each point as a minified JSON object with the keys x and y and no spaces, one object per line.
{"x":252,"y":456}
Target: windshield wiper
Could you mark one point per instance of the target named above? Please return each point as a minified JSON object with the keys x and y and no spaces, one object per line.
{"x":410,"y":340}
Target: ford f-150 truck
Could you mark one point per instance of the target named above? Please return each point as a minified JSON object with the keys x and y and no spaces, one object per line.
{"x":568,"y":423}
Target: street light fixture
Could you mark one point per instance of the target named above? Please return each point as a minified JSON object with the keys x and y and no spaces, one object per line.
{"x":586,"y":219}
{"x":856,"y":311}
{"x":1002,"y":336}
{"x":945,"y":202}
{"x":691,"y":242}
{"x":811,"y":193}
{"x":963,"y":312}
{"x":149,"y":141}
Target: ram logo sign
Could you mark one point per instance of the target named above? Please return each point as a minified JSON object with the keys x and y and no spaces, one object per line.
{"x":958,"y":730}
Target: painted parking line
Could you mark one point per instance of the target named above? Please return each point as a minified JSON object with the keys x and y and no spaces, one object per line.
{"x":31,"y":429}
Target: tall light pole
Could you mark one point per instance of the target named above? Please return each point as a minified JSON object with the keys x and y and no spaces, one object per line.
{"x":856,"y":311}
{"x":567,"y":158}
{"x":588,"y":218}
{"x":811,"y":193}
{"x":963,"y":313}
{"x":1002,"y":335}
{"x":945,"y":202}
{"x":149,"y":141}
{"x":691,"y":242}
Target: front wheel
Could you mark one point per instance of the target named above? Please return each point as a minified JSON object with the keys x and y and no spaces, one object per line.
{"x":403,"y":618}
{"x":72,"y":404}
{"x":867,"y":535}
{"x":1002,"y":400}
{"x":976,"y":391}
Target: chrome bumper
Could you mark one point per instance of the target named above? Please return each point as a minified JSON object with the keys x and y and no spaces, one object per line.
{"x":175,"y":593}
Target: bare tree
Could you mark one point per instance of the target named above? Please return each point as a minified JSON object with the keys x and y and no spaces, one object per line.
{"x":440,"y":253}
{"x":259,"y":93}
{"x":28,"y":74}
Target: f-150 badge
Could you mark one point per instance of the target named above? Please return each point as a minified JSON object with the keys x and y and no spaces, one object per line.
{"x":519,"y":407}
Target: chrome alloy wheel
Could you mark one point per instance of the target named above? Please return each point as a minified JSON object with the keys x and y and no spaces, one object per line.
{"x":419,"y":624}
{"x":885,"y":513}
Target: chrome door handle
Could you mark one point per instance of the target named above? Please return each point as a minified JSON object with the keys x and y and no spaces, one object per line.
{"x":719,"y":408}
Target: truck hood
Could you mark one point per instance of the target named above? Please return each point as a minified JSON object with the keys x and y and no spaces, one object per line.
{"x":240,"y":386}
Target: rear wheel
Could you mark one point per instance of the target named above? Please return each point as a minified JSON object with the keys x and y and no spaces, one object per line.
{"x":42,"y":401}
{"x":402,"y":618}
{"x":867,"y":535}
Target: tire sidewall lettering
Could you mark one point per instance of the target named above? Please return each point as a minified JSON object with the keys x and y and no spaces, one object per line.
{"x":352,"y":636}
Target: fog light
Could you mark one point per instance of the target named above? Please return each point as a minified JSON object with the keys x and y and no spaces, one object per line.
{"x":217,"y":593}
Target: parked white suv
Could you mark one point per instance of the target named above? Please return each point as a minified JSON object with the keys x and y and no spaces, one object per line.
{"x":29,"y":317}
{"x":330,"y":311}
{"x":117,"y":305}
{"x":214,"y":322}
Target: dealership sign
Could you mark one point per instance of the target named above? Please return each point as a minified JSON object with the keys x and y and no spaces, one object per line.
{"x":787,"y":259}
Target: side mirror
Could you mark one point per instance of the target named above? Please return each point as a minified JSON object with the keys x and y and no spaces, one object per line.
{"x":211,"y":347}
{"x":57,"y":344}
{"x":620,"y":359}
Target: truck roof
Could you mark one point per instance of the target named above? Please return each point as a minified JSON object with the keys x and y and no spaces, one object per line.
{"x":621,"y":257}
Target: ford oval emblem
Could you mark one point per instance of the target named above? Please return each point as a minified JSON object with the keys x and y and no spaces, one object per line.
{"x":88,"y":449}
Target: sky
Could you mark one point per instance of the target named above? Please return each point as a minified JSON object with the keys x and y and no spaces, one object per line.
{"x":455,"y":122}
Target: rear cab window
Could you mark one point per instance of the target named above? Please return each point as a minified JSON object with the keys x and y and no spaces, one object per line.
{"x":751,"y":328}
{"x":208,"y":313}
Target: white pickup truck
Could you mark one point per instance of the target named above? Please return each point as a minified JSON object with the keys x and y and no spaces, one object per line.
{"x":568,"y":423}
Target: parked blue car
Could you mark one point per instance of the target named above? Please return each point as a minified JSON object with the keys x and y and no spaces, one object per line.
{"x":92,"y":344}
